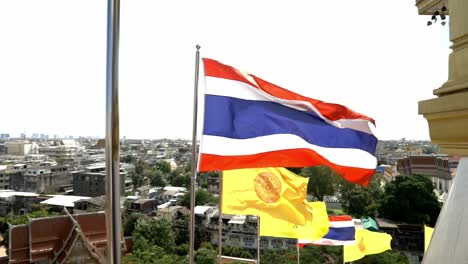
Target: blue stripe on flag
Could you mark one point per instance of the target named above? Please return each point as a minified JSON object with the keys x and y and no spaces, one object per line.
{"x":241,"y":119}
{"x":341,"y":233}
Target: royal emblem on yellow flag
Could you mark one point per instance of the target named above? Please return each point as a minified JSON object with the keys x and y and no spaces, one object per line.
{"x":273,"y":193}
{"x":367,"y":243}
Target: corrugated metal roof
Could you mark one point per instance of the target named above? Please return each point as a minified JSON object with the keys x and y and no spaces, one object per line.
{"x":64,"y":200}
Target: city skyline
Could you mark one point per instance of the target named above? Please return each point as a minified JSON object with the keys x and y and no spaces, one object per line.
{"x":43,"y":136}
{"x":53,"y":74}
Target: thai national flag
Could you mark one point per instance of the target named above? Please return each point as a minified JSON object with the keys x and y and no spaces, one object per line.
{"x":251,"y":123}
{"x":341,"y":232}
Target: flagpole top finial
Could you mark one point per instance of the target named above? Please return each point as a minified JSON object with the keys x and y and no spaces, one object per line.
{"x":198,"y":47}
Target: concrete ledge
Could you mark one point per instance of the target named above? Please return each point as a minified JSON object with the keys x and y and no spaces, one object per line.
{"x":447,"y":117}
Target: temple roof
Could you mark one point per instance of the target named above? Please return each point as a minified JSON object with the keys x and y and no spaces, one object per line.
{"x":52,"y":239}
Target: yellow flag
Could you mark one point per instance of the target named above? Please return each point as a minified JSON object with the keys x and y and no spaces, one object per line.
{"x":315,"y":228}
{"x":273,"y":193}
{"x":367,"y":243}
{"x":427,"y":236}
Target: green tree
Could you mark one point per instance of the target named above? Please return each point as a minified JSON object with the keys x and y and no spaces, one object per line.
{"x":138,"y":176}
{"x":182,"y":249}
{"x":152,"y":254}
{"x":360,"y":201}
{"x":150,"y":231}
{"x":387,"y":257}
{"x":237,"y":252}
{"x":182,"y":181}
{"x":156,"y":177}
{"x":139,"y":167}
{"x":278,"y":256}
{"x":164,"y":166}
{"x":202,"y":178}
{"x":205,"y":256}
{"x":137,"y":180}
{"x":188,"y":167}
{"x":322,"y":181}
{"x":202,"y":197}
{"x":410,"y":199}
{"x":321,"y":254}
{"x":207,"y":245}
{"x":177,"y":177}
{"x":144,"y":252}
{"x":129,"y":222}
{"x":182,"y":231}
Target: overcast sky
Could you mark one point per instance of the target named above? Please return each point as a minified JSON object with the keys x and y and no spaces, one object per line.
{"x":376,"y":57}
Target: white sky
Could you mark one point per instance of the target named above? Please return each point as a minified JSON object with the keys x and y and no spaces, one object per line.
{"x":376,"y":57}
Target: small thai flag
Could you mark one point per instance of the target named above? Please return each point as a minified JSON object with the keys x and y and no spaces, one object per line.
{"x":341,"y":232}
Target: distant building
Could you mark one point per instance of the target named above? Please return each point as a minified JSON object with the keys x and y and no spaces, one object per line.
{"x":100,"y":144}
{"x":145,"y":206}
{"x":90,"y":205}
{"x":133,"y":142}
{"x":91,"y":181}
{"x":213,"y":185}
{"x":4,"y":178}
{"x":439,"y":168}
{"x":46,"y":179}
{"x":3,"y":148}
{"x":407,"y":238}
{"x":174,"y":213}
{"x":238,"y":230}
{"x":62,"y":151}
{"x":16,"y":202}
{"x":21,"y":148}
{"x":15,"y":175}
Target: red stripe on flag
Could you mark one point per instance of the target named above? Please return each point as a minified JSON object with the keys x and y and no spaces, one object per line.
{"x":337,"y":218}
{"x":283,"y":158}
{"x":330,"y":111}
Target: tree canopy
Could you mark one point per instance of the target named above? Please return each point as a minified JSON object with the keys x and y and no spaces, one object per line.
{"x":150,"y":231}
{"x":410,"y":199}
{"x":360,"y":201}
{"x":322,"y":181}
{"x":202,"y":197}
{"x":156,"y":177}
{"x":387,"y":257}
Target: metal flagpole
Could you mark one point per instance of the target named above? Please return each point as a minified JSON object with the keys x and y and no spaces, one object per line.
{"x":258,"y":239}
{"x":220,"y":219}
{"x":298,"y":253}
{"x":112,"y":135}
{"x":193,"y":180}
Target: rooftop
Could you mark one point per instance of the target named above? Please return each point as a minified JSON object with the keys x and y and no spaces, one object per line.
{"x":64,"y":200}
{"x":202,"y":209}
{"x":11,"y":193}
{"x":53,"y":239}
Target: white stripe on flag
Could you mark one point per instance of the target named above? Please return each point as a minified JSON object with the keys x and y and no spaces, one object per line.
{"x":342,"y":223}
{"x":327,"y":242}
{"x":223,"y":146}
